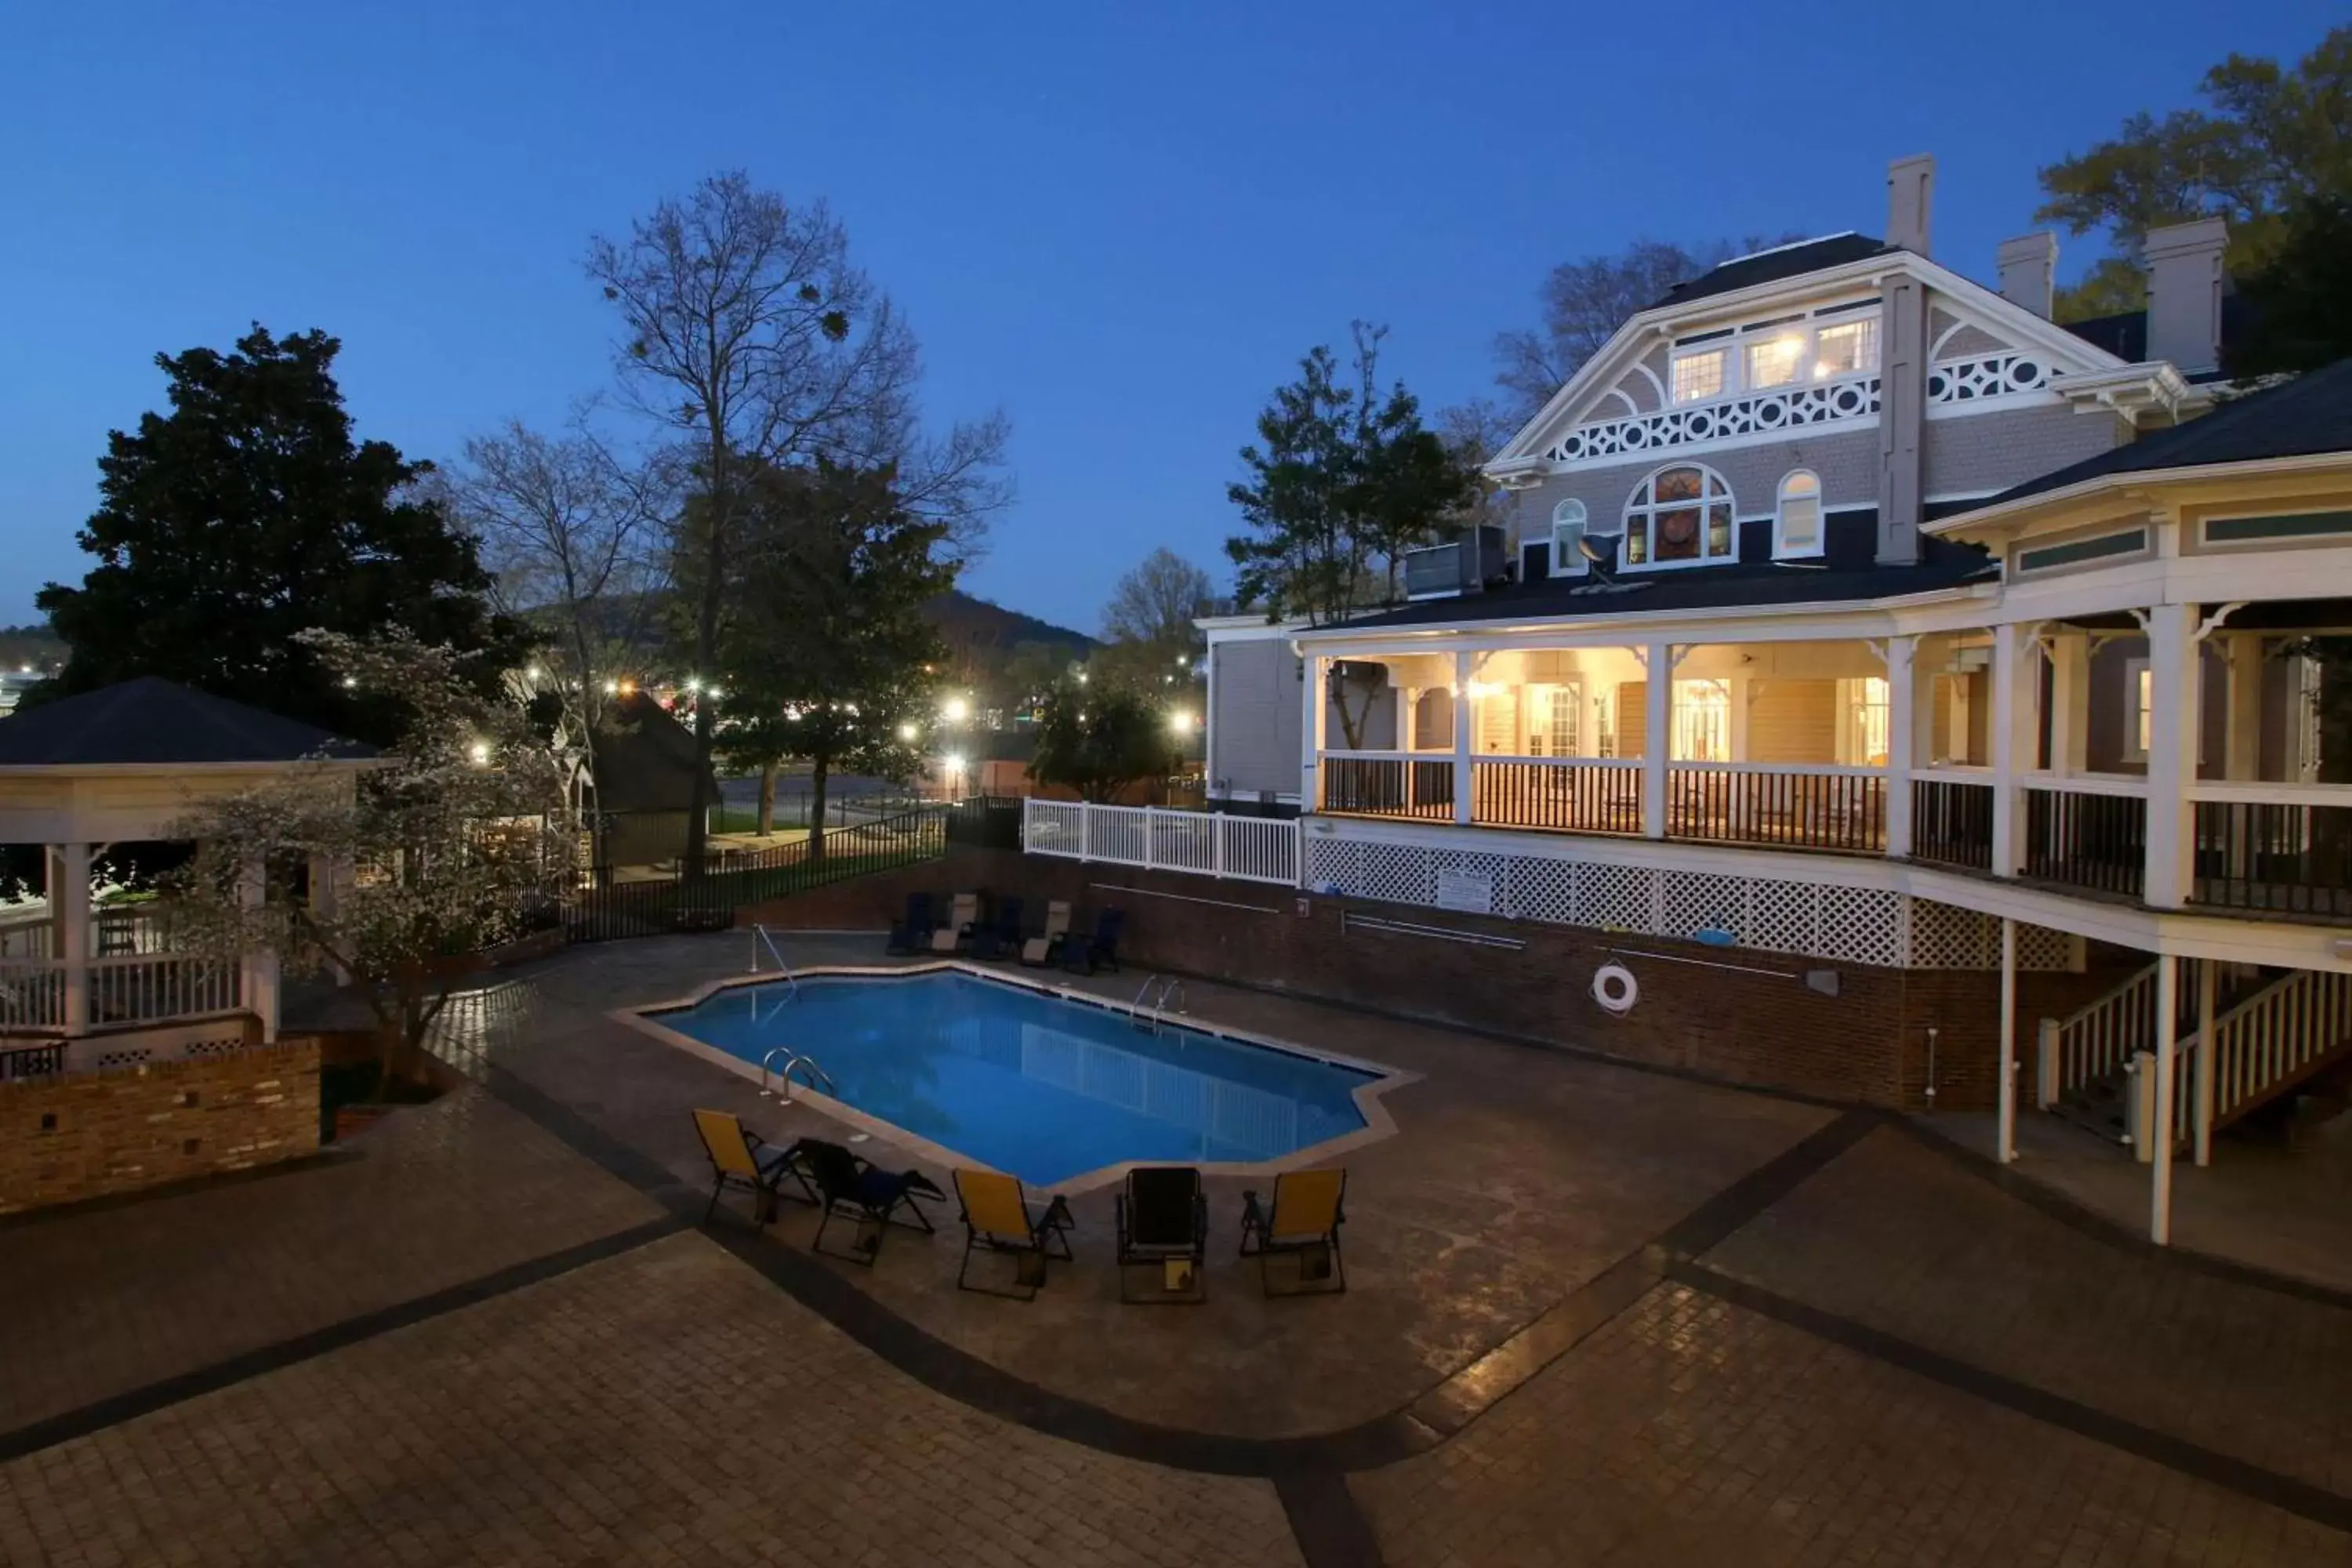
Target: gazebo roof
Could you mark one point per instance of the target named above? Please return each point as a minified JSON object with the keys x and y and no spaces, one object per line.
{"x":152,"y":722}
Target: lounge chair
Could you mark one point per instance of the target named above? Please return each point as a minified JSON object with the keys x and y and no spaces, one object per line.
{"x":741,"y":1158}
{"x":1045,"y":945}
{"x":963,"y":917}
{"x":912,"y":935}
{"x":1163,"y":1224}
{"x":1099,"y":951}
{"x":1000,"y":938}
{"x":873,"y":1197}
{"x":1000,"y":1217}
{"x":1309,"y":1207}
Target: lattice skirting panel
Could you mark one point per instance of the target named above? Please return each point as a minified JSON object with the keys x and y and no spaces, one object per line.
{"x":1853,"y":925}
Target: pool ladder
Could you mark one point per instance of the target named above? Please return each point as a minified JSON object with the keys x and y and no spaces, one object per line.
{"x":817,"y":1075}
{"x":1152,"y":1003}
{"x":760,"y":939}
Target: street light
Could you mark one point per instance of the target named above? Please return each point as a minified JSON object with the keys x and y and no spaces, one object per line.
{"x":480,"y":752}
{"x":908,"y":733}
{"x":1181,"y":721}
{"x":955,"y":710}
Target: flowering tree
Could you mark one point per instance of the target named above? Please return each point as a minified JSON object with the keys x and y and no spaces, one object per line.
{"x":396,"y":881}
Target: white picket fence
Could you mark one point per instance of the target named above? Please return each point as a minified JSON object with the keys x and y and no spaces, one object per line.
{"x":1210,"y":843}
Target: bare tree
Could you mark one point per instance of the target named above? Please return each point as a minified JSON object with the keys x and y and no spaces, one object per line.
{"x":1149,"y":621}
{"x":748,"y":334}
{"x":569,"y":533}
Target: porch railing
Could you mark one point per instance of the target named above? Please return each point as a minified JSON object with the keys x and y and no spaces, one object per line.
{"x":1209,"y":843}
{"x":32,"y":994}
{"x":2274,"y":848}
{"x":1951,"y":821}
{"x":150,"y":989}
{"x":2275,"y":1036}
{"x":1388,"y":783}
{"x":1788,"y":806}
{"x":2088,"y":833}
{"x":1571,"y":795}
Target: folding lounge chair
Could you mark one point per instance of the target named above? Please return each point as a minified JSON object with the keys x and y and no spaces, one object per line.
{"x":963,"y":917}
{"x":999,"y":1216}
{"x":1309,"y":1207}
{"x":1042,"y":947}
{"x":1000,"y":937}
{"x":1099,"y":951}
{"x":741,"y":1158}
{"x":912,"y":935}
{"x":872,"y":1197}
{"x":1163,"y":1224}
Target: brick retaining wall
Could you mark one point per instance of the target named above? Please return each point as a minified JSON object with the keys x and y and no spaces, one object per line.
{"x":87,"y":1135}
{"x":1865,"y":1045}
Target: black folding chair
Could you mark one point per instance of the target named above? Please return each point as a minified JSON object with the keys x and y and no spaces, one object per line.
{"x":873,"y":1198}
{"x":1163,"y":1223}
{"x":912,"y":935}
{"x":1000,"y":938}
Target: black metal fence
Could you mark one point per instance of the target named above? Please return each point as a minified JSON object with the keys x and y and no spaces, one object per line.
{"x":985,"y":822}
{"x":659,"y":905}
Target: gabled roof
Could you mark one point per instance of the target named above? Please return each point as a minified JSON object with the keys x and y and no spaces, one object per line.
{"x":2303,"y":417}
{"x":1771,"y":266}
{"x":149,"y":722}
{"x":645,"y":759}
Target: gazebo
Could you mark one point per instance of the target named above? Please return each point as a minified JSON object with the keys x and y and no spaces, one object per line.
{"x":131,"y":764}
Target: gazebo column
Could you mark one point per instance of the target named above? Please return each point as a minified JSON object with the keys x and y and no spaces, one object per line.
{"x":257,"y":971}
{"x":68,"y":872}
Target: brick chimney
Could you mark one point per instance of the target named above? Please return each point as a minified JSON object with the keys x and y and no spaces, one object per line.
{"x":2184,"y":293}
{"x":2027,"y":265}
{"x":1910,"y":199}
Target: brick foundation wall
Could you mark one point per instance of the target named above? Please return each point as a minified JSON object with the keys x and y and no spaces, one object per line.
{"x":87,"y":1135}
{"x":1866,"y":1045}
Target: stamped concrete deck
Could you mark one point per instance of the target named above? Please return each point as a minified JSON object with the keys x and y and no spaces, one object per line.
{"x":1596,"y":1316}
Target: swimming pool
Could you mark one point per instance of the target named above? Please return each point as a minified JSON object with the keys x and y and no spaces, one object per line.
{"x":1034,"y":1084}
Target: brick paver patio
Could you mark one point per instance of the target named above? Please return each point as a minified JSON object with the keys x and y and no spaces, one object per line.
{"x":1598,"y":1316}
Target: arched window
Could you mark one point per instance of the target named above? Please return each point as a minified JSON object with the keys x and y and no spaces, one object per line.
{"x":1680,"y":516}
{"x":1797,"y":525}
{"x":1566,"y":529}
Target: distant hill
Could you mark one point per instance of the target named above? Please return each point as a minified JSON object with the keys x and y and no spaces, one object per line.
{"x":970,"y":624}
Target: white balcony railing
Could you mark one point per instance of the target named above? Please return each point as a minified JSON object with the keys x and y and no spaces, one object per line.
{"x":1208,"y":844}
{"x":36,"y":994}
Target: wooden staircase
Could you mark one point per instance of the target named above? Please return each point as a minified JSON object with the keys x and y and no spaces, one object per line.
{"x":2273,"y":1032}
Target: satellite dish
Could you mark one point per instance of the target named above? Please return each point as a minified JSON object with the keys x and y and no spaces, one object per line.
{"x":1601,"y":550}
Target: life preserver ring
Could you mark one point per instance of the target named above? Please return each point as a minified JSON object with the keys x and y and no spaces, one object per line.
{"x":1614,"y":987}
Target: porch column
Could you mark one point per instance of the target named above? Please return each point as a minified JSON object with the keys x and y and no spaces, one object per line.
{"x":257,"y":976}
{"x":1902,"y":719}
{"x":2171,"y":754}
{"x":2005,"y":1149}
{"x":1658,"y":736}
{"x":2167,"y":1007}
{"x":69,"y":873}
{"x":1315,"y":699}
{"x":1466,"y":667}
{"x":2070,"y":702}
{"x":2244,"y":652}
{"x":2202,"y":1074}
{"x":2013,"y":744}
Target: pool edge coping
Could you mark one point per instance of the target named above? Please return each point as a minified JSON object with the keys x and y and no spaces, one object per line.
{"x":1369,"y":1097}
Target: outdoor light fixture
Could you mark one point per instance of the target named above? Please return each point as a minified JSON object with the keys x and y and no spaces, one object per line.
{"x":350,"y":682}
{"x":1180,"y":723}
{"x":953,"y":763}
{"x":692,"y":684}
{"x":1081,"y":678}
{"x":907,"y":731}
{"x":612,"y":689}
{"x":955,"y":710}
{"x":480,"y":752}
{"x":534,"y":672}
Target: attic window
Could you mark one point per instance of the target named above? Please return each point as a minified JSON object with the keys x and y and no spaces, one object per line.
{"x":1847,"y":349}
{"x":1567,"y":530}
{"x":1699,"y":376}
{"x":1679,"y":516}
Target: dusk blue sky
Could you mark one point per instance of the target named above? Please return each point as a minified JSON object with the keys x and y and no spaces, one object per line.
{"x":1120,"y":224}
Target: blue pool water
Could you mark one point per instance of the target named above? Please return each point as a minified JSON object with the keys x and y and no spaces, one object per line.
{"x":1032,"y":1084}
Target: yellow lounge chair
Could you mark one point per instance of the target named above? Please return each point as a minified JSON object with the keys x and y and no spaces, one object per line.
{"x":741,"y":1158}
{"x":1000,"y":1217}
{"x":963,"y":915}
{"x":1309,"y":1207}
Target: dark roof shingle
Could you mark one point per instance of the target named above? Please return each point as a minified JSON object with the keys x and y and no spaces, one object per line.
{"x":149,"y":721}
{"x":1771,"y":266}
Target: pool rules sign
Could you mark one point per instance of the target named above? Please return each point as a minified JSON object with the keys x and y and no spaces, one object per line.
{"x":1471,"y":892}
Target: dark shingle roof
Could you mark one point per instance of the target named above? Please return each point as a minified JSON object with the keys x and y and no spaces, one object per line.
{"x":2125,"y":335}
{"x":1701,"y":588}
{"x":645,"y":759}
{"x":151,"y":721}
{"x":1771,"y":266}
{"x":2309,"y":415}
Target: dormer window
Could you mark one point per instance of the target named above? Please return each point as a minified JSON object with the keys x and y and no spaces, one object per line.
{"x":1699,"y":376}
{"x":1566,"y":533}
{"x":1679,"y":516}
{"x":1797,"y":524}
{"x":1776,"y":361}
{"x":1847,"y":349}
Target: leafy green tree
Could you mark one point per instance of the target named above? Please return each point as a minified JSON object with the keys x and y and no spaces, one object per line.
{"x":1097,"y":736}
{"x":2274,"y":136}
{"x":248,"y":514}
{"x":2299,"y":314}
{"x":1341,"y":482}
{"x":827,"y":641}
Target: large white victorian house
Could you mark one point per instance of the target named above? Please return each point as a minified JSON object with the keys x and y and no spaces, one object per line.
{"x":1856,"y":610}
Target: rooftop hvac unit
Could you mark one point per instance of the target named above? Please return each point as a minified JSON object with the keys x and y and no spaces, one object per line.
{"x":1463,"y":567}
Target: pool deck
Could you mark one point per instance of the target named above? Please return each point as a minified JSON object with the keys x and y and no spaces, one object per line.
{"x":1597,"y":1315}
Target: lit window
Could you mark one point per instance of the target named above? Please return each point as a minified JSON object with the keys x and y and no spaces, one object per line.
{"x":1699,"y":376}
{"x":1775,"y":361}
{"x":1847,"y":349}
{"x":1701,"y":721}
{"x":1552,"y":719}
{"x":1868,"y":746}
{"x":1567,"y":530}
{"x":1679,"y":515}
{"x":1797,"y":529}
{"x":2140,"y":688}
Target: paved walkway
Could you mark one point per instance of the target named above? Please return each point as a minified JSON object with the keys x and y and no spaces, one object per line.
{"x":1596,"y":1316}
